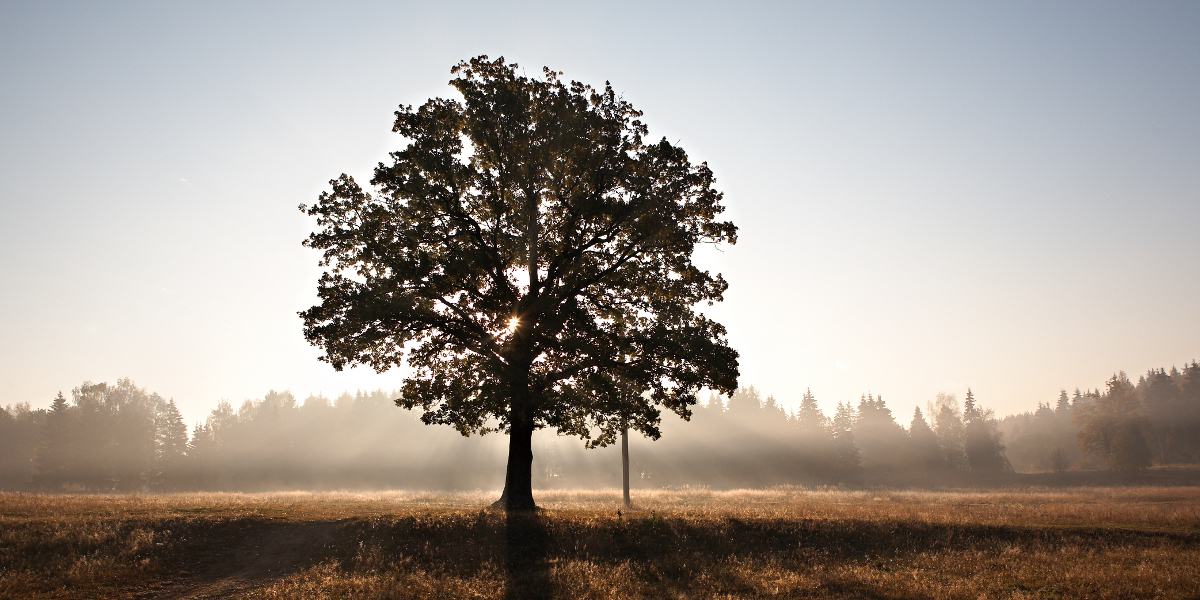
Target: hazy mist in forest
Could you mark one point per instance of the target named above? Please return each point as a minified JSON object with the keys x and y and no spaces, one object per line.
{"x":119,"y":437}
{"x":930,"y":196}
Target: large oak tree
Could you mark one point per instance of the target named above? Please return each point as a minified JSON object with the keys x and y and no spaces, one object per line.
{"x":529,"y":255}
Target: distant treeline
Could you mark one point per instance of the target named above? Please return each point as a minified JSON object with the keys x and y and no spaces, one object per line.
{"x":1126,"y":427}
{"x":120,"y":437}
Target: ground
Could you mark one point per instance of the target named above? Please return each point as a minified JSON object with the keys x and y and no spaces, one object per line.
{"x":1087,"y":542}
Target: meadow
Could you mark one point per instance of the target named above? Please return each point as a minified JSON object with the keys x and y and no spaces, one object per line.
{"x":1029,"y":542}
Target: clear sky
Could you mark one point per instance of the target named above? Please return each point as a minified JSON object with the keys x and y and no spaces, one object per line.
{"x":930,"y":196}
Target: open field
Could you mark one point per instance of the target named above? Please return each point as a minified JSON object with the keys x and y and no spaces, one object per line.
{"x":1102,"y":542}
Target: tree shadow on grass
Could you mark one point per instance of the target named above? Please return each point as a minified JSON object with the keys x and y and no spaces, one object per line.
{"x":527,"y":563}
{"x":243,"y":555}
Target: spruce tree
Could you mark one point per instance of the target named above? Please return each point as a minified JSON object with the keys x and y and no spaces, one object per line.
{"x":170,"y":442}
{"x":1113,"y":427}
{"x":55,"y":457}
{"x":926,"y":453}
{"x":1162,"y":402}
{"x":1189,"y":410}
{"x":813,"y":423}
{"x":1064,"y":404}
{"x":847,"y":462}
{"x":982,"y":438}
{"x":880,"y":439}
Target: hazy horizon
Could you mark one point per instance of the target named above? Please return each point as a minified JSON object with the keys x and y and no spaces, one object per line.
{"x":930,"y":197}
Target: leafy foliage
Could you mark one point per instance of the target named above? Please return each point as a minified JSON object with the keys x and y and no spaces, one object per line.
{"x":531,"y":253}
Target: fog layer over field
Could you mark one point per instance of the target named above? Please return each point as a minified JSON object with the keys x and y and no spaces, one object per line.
{"x":121,"y":437}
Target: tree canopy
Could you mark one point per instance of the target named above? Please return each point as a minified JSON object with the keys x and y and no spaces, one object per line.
{"x":528,"y":254}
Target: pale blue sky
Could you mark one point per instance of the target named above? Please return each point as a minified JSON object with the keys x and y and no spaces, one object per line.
{"x":930,"y":196}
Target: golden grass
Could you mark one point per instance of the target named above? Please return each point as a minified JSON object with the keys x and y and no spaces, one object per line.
{"x":690,"y":543}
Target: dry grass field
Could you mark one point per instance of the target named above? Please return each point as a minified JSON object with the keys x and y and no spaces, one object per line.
{"x":1131,"y":542}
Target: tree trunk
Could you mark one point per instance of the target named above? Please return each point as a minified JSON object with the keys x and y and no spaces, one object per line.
{"x":518,"y":481}
{"x":625,"y":464}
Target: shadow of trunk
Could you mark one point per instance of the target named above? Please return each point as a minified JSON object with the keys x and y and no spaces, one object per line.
{"x":527,"y":545}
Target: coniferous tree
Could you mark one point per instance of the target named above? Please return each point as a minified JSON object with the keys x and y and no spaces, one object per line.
{"x":1162,"y":400}
{"x":772,"y":411}
{"x":881,"y":441}
{"x":202,"y":459}
{"x":1114,"y":427}
{"x":1189,"y":411}
{"x":1034,"y":443}
{"x":713,"y":409}
{"x":170,"y":443}
{"x":1064,"y":403}
{"x":847,"y":461}
{"x":926,"y":453}
{"x":745,"y":404}
{"x":813,"y":440}
{"x":809,"y":416}
{"x":1064,"y":451}
{"x":982,"y":440}
{"x":56,"y":464}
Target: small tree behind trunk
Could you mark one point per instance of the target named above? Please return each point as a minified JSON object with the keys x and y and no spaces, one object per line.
{"x":625,"y":465}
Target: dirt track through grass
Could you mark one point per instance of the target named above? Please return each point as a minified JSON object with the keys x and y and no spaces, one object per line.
{"x":267,"y":553}
{"x":795,"y":543}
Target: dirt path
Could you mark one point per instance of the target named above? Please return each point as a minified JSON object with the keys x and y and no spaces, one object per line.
{"x":263,"y":556}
